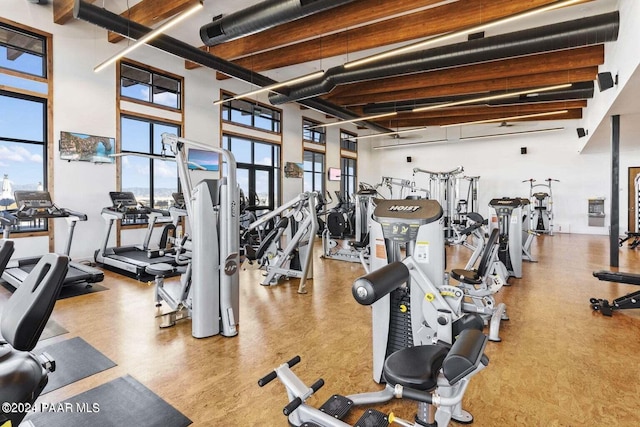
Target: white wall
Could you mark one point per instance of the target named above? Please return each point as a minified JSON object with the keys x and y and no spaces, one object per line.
{"x":502,"y":169}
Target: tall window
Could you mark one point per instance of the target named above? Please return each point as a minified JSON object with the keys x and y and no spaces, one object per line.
{"x":152,"y":181}
{"x":258,"y":170}
{"x":348,"y":141}
{"x":250,"y":114}
{"x":24,"y":118}
{"x":348,"y":178}
{"x":314,"y":171}
{"x":141,"y":84}
{"x":311,"y":133}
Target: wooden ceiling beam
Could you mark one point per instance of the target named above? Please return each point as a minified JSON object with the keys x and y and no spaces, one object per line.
{"x":533,"y":64}
{"x":150,"y":12}
{"x":476,"y":87}
{"x":314,"y":26}
{"x":63,"y":10}
{"x":422,"y":24}
{"x":441,"y":121}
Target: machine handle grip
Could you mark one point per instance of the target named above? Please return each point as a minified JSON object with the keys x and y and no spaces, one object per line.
{"x":292,"y":406}
{"x":375,"y":285}
{"x":317,"y":385}
{"x":417,"y":395}
{"x":273,"y":375}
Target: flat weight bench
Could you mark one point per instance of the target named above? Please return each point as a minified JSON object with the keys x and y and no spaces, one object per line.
{"x":628,"y":301}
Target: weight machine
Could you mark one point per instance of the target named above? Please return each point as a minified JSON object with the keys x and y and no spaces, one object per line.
{"x":541,"y":198}
{"x":295,"y":260}
{"x":212,"y":207}
{"x":445,"y":188}
{"x":355,"y":250}
{"x":425,"y":310}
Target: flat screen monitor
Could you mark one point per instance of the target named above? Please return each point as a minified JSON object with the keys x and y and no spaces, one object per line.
{"x":203,"y":160}
{"x":334,"y":174}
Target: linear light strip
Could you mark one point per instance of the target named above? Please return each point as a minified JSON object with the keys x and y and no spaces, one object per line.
{"x":272,"y":87}
{"x":359,"y":119}
{"x":391,"y":133}
{"x":491,"y":97}
{"x":523,"y":132}
{"x":505,"y":119}
{"x":462,"y":32}
{"x":151,"y":35}
{"x":468,"y":138}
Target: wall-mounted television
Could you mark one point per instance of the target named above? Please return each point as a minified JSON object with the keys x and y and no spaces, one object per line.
{"x":203,"y":160}
{"x":86,"y":148}
{"x":334,"y":174}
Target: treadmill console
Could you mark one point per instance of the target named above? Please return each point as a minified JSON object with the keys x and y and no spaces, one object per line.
{"x":33,"y":199}
{"x":125,"y":202}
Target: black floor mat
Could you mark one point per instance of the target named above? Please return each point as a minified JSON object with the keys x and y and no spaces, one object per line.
{"x":121,"y":402}
{"x":52,"y":329}
{"x":78,"y":289}
{"x":75,"y":359}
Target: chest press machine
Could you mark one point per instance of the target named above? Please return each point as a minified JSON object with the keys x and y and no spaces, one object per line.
{"x":295,"y":259}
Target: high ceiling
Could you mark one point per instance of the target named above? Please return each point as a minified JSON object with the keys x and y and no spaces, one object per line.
{"x":453,"y":69}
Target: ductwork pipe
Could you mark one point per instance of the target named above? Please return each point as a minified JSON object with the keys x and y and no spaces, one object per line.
{"x":566,"y":35}
{"x":117,"y":24}
{"x":259,"y":17}
{"x":581,"y":90}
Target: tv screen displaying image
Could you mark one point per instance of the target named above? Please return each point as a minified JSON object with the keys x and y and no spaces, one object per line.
{"x":86,"y":148}
{"x":334,"y":174}
{"x":203,"y":160}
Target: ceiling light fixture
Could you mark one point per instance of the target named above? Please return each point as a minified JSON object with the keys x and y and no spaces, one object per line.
{"x":398,"y":132}
{"x":466,"y":31}
{"x":272,"y":87}
{"x":469,"y":138}
{"x":490,"y":98}
{"x":359,"y":119}
{"x":151,"y":35}
{"x":505,"y":119}
{"x":522,"y":132}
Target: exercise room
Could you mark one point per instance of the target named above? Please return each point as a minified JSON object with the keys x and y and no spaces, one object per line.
{"x":319,"y":213}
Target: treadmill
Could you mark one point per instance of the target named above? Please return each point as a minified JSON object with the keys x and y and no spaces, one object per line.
{"x":133,"y":260}
{"x":36,"y":206}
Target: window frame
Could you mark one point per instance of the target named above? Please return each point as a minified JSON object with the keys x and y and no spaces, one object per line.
{"x":274,"y":171}
{"x":346,"y":180}
{"x":348,"y":141}
{"x":154,"y":73}
{"x":227,"y":108}
{"x":152,"y":121}
{"x":314,"y":172}
{"x":45,"y":98}
{"x":320,"y":132}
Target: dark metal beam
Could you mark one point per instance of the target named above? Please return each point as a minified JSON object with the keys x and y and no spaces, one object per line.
{"x":614,"y":233}
{"x":117,"y":24}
